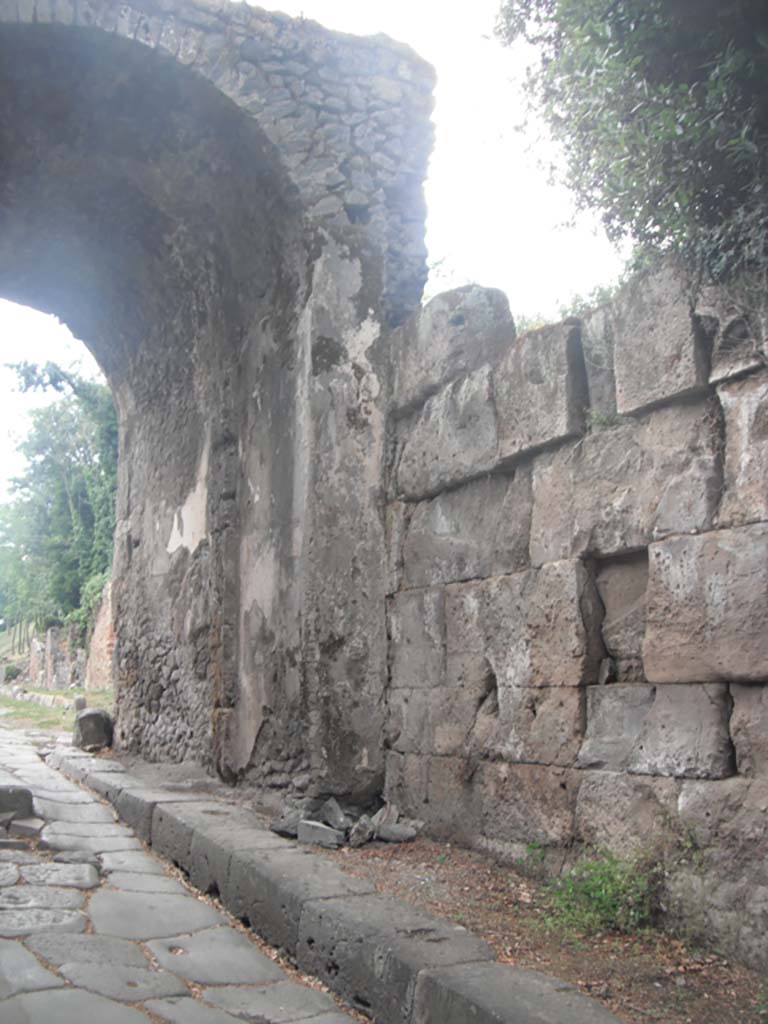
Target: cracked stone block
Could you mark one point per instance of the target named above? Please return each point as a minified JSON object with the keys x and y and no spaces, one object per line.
{"x":536,"y":628}
{"x":126,"y":984}
{"x":417,"y":638}
{"x":454,"y":438}
{"x":749,"y":728}
{"x":625,"y":813}
{"x":284,"y":1000}
{"x":540,"y":390}
{"x":453,"y":335}
{"x":477,"y":530}
{"x":745,"y":491}
{"x":20,"y":971}
{"x":620,"y":487}
{"x":621,"y":584}
{"x":707,"y":605}
{"x":658,"y":353}
{"x":315,"y":833}
{"x":215,"y":956}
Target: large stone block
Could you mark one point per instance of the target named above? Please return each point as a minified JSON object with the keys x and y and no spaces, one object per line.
{"x":417,"y":638}
{"x":659,"y":354}
{"x":745,"y":491}
{"x":619,"y":488}
{"x":615,"y":716}
{"x":527,"y":803}
{"x":707,"y":607}
{"x":624,"y":813}
{"x":685,"y":734}
{"x":451,"y":336}
{"x":540,"y":390}
{"x":480,"y":529}
{"x":520,"y":724}
{"x":454,"y":438}
{"x":621,"y":583}
{"x":749,"y":728}
{"x":536,"y":628}
{"x":730,"y":319}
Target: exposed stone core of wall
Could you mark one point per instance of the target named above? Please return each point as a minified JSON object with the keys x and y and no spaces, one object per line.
{"x":578,"y":589}
{"x":226,"y":205}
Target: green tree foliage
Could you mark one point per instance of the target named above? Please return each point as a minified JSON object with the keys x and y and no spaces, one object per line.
{"x":56,"y":532}
{"x":662,"y":107}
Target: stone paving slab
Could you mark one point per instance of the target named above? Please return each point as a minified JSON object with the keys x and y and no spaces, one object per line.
{"x":189,"y":1011}
{"x":126,"y":984}
{"x":215,"y":956}
{"x":279,"y":1004}
{"x":32,"y":896}
{"x":67,"y":1006}
{"x":20,"y":971}
{"x":87,"y":949}
{"x":15,"y":923}
{"x":150,"y":939}
{"x":149,"y":916}
{"x":403,"y":966}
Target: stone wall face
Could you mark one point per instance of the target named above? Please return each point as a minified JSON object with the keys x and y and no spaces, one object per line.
{"x":578,"y":597}
{"x":226,"y":205}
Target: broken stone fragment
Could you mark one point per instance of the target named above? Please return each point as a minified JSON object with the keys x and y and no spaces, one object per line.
{"x":396,"y":833}
{"x":316,"y":833}
{"x":93,"y":729}
{"x":26,"y":826}
{"x":362,"y":832}
{"x":287,"y":824}
{"x":387,"y":815}
{"x":332,"y":814}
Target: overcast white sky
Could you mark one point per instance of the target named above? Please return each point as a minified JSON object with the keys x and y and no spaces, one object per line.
{"x":493,"y":218}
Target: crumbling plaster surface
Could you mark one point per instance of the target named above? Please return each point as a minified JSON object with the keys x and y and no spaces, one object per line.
{"x":226,"y":205}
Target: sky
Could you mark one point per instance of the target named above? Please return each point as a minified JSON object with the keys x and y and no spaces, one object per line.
{"x":493,"y":216}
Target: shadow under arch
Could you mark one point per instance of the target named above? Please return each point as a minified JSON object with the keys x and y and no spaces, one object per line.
{"x":235,"y":283}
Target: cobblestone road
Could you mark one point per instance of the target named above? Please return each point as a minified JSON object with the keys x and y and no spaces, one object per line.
{"x":94,"y":929}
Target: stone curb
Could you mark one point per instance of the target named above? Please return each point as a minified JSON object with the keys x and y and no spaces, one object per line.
{"x":385,"y":957}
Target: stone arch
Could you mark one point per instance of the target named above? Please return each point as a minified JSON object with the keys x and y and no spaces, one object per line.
{"x":226,"y":206}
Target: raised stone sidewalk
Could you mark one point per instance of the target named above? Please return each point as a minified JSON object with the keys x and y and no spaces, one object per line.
{"x":141,"y":943}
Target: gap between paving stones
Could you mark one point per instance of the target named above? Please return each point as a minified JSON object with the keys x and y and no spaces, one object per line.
{"x":389,"y":960}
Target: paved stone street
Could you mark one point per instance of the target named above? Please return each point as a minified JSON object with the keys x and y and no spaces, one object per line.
{"x":94,"y":929}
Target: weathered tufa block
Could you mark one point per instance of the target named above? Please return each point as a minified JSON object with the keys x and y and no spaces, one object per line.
{"x":685,"y":734}
{"x":619,"y":488}
{"x":624,"y":813}
{"x":745,"y":493}
{"x":621,"y":584}
{"x":454,"y":438}
{"x":707,"y":607}
{"x":680,"y":731}
{"x":417,"y":638}
{"x":540,"y":390}
{"x":480,"y":529}
{"x":527,"y":803}
{"x":615,"y":717}
{"x":453,"y":335}
{"x":536,"y":628}
{"x":749,"y":728}
{"x":658,"y":354}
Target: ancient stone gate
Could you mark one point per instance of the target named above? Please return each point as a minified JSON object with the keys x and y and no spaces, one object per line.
{"x":516,"y":584}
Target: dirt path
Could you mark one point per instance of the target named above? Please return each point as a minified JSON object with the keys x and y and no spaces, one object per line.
{"x":641,"y":978}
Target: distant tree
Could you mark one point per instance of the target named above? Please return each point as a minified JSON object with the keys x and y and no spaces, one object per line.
{"x":662,"y":109}
{"x":56,"y":532}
